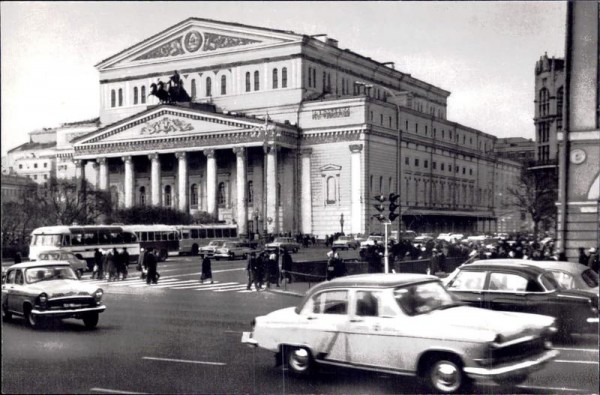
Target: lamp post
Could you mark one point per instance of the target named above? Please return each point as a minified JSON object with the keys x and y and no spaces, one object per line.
{"x":342,"y":222}
{"x":398,"y":149}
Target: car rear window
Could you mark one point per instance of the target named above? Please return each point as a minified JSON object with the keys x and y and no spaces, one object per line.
{"x":590,"y":277}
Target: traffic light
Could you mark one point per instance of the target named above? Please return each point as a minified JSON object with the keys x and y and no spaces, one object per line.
{"x":379,"y":207}
{"x":393,"y":206}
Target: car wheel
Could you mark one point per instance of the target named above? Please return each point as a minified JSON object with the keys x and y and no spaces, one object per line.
{"x":299,"y":361}
{"x":6,"y":315}
{"x":33,"y":320}
{"x":446,"y":376}
{"x":195,"y":249}
{"x":90,"y":320}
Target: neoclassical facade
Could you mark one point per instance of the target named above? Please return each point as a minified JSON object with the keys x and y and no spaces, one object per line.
{"x":286,"y":133}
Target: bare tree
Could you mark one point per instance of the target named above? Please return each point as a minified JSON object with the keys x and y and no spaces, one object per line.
{"x":536,"y":194}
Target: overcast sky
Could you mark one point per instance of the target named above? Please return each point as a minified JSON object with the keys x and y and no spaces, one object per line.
{"x":483,"y":53}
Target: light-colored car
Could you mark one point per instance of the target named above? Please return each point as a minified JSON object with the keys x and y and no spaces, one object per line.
{"x":405,"y":324}
{"x":211,"y":247}
{"x":450,"y":237}
{"x":372,"y":240}
{"x":287,"y":243}
{"x":79,"y":265}
{"x":42,"y":290}
{"x":345,"y":242}
{"x":233,"y":249}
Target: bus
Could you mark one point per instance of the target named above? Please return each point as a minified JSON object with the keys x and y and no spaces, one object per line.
{"x":193,"y":237}
{"x":163,"y":238}
{"x":83,"y":241}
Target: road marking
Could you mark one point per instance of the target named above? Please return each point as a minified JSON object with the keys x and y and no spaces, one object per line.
{"x":577,"y":349}
{"x":185,"y":361}
{"x":220,"y":287}
{"x":106,"y":390}
{"x":533,"y":387}
{"x":186,"y":282}
{"x":200,"y":286}
{"x":582,"y":362}
{"x":237,"y":288}
{"x":170,"y":281}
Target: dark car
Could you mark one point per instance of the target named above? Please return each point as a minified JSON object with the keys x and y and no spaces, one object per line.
{"x":515,"y":285}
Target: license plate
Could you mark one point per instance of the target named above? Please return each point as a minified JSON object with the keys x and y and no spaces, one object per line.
{"x":72,"y":305}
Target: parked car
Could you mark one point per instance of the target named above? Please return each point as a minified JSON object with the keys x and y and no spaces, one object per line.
{"x":211,"y":247}
{"x":287,"y":243}
{"x":372,"y":240}
{"x":570,"y":275}
{"x":450,"y":237}
{"x":232,"y":249}
{"x":405,"y":324}
{"x":345,"y":242}
{"x":517,"y":285}
{"x":79,"y":265}
{"x":422,"y":238}
{"x":42,"y":290}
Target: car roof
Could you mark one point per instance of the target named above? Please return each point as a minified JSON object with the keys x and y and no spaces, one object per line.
{"x":554,"y":265}
{"x":378,"y":280}
{"x":27,"y":265}
{"x":522,"y":265}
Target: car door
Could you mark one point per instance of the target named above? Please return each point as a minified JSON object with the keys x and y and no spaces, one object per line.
{"x":468,"y":286}
{"x":8,"y":288}
{"x":16,"y":292}
{"x":507,"y":291}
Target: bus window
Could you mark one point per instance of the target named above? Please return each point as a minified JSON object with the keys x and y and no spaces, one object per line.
{"x":185,"y":234}
{"x":103,"y":236}
{"x":194,"y":233}
{"x":66,"y":240}
{"x":210,"y":233}
{"x":76,"y":240}
{"x":233,"y":232}
{"x":225,"y":232}
{"x":218,"y":233}
{"x":143,"y":236}
{"x":116,"y":238}
{"x":90,"y":238}
{"x":165,"y":236}
{"x":171,"y":236}
{"x":129,"y":237}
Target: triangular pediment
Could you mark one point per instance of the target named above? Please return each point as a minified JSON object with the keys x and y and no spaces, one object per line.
{"x":167,"y":122}
{"x":198,"y":37}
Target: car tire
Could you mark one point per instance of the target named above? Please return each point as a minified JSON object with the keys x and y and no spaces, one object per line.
{"x":446,"y":375}
{"x":299,"y":361}
{"x":6,"y":315}
{"x":90,"y":320}
{"x":32,"y":320}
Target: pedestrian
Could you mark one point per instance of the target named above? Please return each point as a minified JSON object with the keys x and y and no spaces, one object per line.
{"x":18,"y":258}
{"x":206,"y":269}
{"x":273,"y":269}
{"x":109,"y":265}
{"x":126,"y":258}
{"x":339,"y":266}
{"x":286,"y":266}
{"x":593,"y":260}
{"x":583,"y":257}
{"x":253,"y":269}
{"x":119,"y":265}
{"x":141,"y":265}
{"x":151,"y":265}
{"x":434,"y":262}
{"x":97,"y":264}
{"x":330,"y":275}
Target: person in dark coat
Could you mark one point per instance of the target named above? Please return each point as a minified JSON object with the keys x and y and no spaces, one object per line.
{"x":109,"y":266}
{"x":273,"y":269}
{"x":18,"y":258}
{"x":339,"y":266}
{"x":97,"y":269}
{"x":152,"y":266}
{"x":286,"y":266}
{"x":206,"y":269}
{"x":253,"y":268}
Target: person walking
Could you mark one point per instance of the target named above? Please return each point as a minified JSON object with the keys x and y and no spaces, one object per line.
{"x":141,"y":265}
{"x":253,"y":269}
{"x":286,"y":266}
{"x":109,"y":265}
{"x":330,"y":275}
{"x":273,"y":269}
{"x":96,"y":271}
{"x":118,"y":264}
{"x":18,"y":258}
{"x":206,"y":269}
{"x":125,"y":260}
{"x":339,"y":265}
{"x":151,"y":265}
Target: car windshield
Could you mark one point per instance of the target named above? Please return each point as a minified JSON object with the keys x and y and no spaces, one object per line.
{"x":423,"y":298}
{"x":47,"y":273}
{"x":47,"y":256}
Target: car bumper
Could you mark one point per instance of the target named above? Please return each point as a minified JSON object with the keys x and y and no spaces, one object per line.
{"x":221,"y":255}
{"x":512,"y":369}
{"x":68,"y":312}
{"x":247,"y":339}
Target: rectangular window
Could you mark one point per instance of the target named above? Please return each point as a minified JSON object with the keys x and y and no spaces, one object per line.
{"x":434,"y":165}
{"x":416,"y":162}
{"x":426,"y":164}
{"x":406,"y":160}
{"x":194,"y":233}
{"x":442,"y":167}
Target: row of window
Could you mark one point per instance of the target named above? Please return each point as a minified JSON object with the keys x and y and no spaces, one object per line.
{"x":434,"y":165}
{"x":35,"y":165}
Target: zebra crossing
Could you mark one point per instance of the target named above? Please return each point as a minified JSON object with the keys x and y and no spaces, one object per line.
{"x":172,"y":283}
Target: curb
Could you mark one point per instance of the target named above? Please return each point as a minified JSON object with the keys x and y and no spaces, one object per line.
{"x":279,"y":291}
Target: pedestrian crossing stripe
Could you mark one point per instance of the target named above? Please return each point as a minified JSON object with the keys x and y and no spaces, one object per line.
{"x":173,"y":283}
{"x":199,"y":286}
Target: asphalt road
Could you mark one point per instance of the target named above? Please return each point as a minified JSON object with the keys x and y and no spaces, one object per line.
{"x":184,"y":337}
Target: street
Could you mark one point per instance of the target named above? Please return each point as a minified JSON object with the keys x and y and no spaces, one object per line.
{"x":181,"y":336}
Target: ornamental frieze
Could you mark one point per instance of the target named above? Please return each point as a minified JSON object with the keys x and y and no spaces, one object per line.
{"x":166,"y":125}
{"x":331,"y":137}
{"x":194,"y":41}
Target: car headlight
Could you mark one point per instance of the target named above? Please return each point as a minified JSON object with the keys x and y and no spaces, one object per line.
{"x":98,"y":294}
{"x":43,"y":299}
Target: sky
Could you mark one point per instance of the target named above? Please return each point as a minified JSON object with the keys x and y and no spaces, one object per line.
{"x":484,"y":53}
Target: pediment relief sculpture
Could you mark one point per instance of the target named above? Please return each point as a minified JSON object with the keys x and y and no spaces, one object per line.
{"x":166,"y":125}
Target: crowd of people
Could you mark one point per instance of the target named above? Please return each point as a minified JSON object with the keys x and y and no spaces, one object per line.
{"x":110,"y":265}
{"x":270,"y":266}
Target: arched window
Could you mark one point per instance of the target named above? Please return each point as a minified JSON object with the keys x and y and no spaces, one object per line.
{"x":250,"y":192}
{"x":120,"y":97}
{"x":544,"y":104}
{"x":143,"y":95}
{"x":194,"y":195}
{"x":223,"y":85}
{"x":193,"y":88}
{"x":331,"y":190}
{"x":284,"y":77}
{"x":142,"y":196}
{"x":208,"y":87}
{"x":135,"y":95}
{"x":221,"y":194}
{"x":248,"y":81}
{"x":168,"y":196}
{"x":256,"y":80}
{"x":113,"y":98}
{"x":274,"y":78}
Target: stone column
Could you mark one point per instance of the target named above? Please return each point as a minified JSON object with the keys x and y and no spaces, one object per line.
{"x":242,"y":207}
{"x":272,"y":203}
{"x":78,"y":169}
{"x":129,"y":181}
{"x":211,"y":182}
{"x":155,"y":178}
{"x":103,"y":174}
{"x":305,"y":192}
{"x":355,"y":197}
{"x":95,"y":168}
{"x":182,"y":178}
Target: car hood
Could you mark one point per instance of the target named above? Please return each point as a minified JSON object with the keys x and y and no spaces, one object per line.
{"x":61,"y":288}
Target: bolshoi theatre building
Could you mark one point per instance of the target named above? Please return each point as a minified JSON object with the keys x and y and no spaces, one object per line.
{"x":285,"y":132}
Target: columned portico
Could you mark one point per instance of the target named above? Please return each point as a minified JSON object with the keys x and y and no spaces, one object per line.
{"x":305,"y":193}
{"x":242,"y":208}
{"x":272,"y":181}
{"x":211,"y":182}
{"x":103,"y":173}
{"x":155,"y":178}
{"x":355,"y":208}
{"x":129,"y":181}
{"x":182,"y":171}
